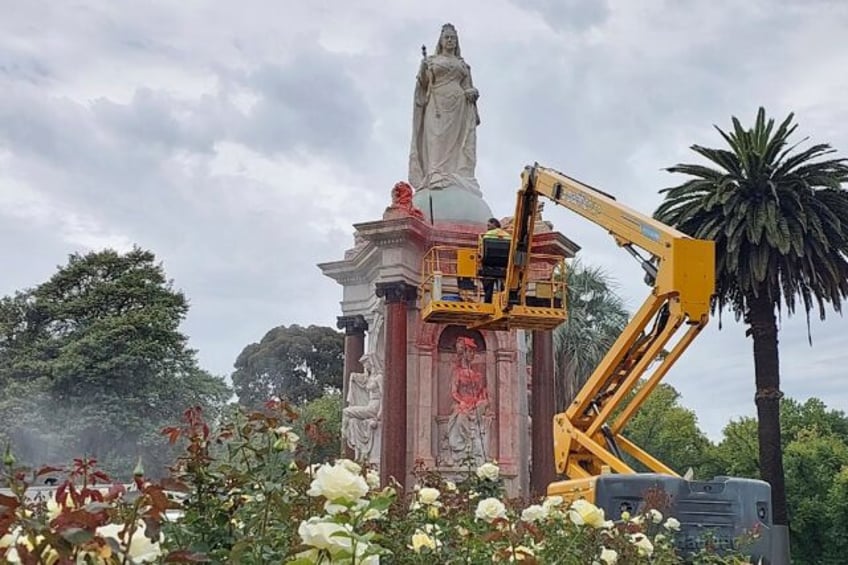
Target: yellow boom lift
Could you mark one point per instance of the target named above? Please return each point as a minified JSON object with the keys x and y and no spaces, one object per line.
{"x":589,"y":446}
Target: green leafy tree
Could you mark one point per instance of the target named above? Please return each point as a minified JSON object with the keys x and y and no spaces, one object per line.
{"x":293,"y":363}
{"x":738,"y":453}
{"x":780,"y":222}
{"x":596,"y":317}
{"x":838,"y":516}
{"x":816,"y":462}
{"x":92,"y":363}
{"x":812,"y":414}
{"x":813,"y":461}
{"x":326,"y":411}
{"x":669,"y":432}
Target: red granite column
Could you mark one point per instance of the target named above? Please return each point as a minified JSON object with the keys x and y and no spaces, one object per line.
{"x":542,"y":471}
{"x":398,"y":296}
{"x":354,"y":347}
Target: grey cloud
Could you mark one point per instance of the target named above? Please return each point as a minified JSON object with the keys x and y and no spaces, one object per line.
{"x":569,"y":15}
{"x":150,"y":120}
{"x":17,"y":66}
{"x":309,"y":103}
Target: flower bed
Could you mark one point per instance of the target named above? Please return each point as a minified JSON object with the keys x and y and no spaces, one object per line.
{"x":249,"y":493}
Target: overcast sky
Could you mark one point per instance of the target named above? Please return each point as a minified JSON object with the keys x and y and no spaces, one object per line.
{"x":240,"y":141}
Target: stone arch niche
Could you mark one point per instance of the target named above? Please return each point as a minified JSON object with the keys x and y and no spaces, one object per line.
{"x":496,"y":358}
{"x":466,"y":393}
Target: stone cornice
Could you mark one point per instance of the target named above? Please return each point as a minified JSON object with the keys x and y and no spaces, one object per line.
{"x":554,"y":243}
{"x":355,"y":270}
{"x":395,"y":231}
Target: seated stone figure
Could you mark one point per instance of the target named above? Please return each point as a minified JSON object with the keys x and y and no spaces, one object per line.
{"x":466,"y":439}
{"x":362,"y":416}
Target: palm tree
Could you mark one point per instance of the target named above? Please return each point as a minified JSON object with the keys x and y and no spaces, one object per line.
{"x":596,"y":317}
{"x":779,"y":218}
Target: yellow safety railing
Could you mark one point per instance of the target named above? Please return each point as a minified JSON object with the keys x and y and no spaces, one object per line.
{"x":452,"y":290}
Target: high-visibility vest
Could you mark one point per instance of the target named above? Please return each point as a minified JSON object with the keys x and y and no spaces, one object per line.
{"x":497,"y":233}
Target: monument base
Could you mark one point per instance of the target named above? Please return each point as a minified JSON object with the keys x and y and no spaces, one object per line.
{"x":452,"y":204}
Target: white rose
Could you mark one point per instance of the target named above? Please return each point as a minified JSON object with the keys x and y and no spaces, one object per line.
{"x":450,"y":486}
{"x":655,"y":515}
{"x":420,"y":541}
{"x":672,"y":525}
{"x":324,"y":535}
{"x":286,"y":439}
{"x":609,"y":556}
{"x":372,"y":477}
{"x":521,"y":553}
{"x":351,"y":466}
{"x":534,"y":513}
{"x":428,"y":495}
{"x":584,"y":512}
{"x":373,"y":514}
{"x":641,"y":541}
{"x":332,"y":508}
{"x":490,"y":509}
{"x":552,"y":502}
{"x":142,"y":550}
{"x":337,"y":483}
{"x":488,"y":472}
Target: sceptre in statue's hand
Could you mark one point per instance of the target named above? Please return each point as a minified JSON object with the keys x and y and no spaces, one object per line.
{"x":424,"y":68}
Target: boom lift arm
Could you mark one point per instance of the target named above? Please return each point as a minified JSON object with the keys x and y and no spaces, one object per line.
{"x":681,"y":273}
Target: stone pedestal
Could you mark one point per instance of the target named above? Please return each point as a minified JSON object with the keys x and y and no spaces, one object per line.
{"x":424,"y":362}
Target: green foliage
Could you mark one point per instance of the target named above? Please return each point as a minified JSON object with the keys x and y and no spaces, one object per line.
{"x":816,"y":463}
{"x":837,"y":515}
{"x":596,"y":317}
{"x":293,"y":363}
{"x":813,"y":463}
{"x":737,"y":453}
{"x":92,"y":362}
{"x":812,"y":415}
{"x":326,"y":410}
{"x":670,"y":432}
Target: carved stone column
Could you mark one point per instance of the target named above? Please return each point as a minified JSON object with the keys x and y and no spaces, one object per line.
{"x":398,"y":295}
{"x":354,"y":347}
{"x":542,"y":410}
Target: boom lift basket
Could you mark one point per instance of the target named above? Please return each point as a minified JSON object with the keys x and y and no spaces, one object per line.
{"x":451,"y":290}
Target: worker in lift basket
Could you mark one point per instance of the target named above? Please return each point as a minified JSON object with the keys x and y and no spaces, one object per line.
{"x":493,"y":231}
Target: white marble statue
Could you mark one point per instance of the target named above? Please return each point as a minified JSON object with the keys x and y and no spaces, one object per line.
{"x":468,"y":428}
{"x":445,"y":120}
{"x":362,"y":415}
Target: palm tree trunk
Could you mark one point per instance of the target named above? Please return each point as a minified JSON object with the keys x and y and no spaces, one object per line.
{"x":767,"y":376}
{"x":567,"y":389}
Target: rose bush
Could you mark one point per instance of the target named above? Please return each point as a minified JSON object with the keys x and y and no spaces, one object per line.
{"x":249,"y":493}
